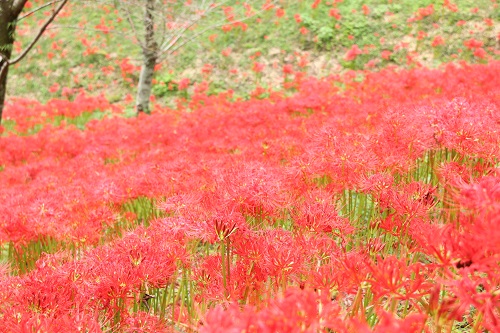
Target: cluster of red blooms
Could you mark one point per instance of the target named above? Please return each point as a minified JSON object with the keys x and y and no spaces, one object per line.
{"x":27,"y":113}
{"x":355,"y":205}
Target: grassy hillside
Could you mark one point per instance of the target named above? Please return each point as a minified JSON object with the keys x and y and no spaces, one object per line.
{"x":92,"y":47}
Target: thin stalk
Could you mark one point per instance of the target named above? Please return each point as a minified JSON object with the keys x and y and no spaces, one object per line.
{"x":223,"y":262}
{"x":163,"y":302}
{"x":477,"y":324}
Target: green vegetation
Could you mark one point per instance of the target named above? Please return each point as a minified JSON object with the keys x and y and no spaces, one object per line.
{"x":86,"y":50}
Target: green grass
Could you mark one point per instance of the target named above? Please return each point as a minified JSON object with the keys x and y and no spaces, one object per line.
{"x":277,"y":40}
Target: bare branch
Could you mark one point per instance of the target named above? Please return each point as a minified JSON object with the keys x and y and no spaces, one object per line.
{"x":167,"y":50}
{"x":39,"y":34}
{"x":73,"y":27}
{"x":132,"y":24}
{"x":178,"y":35}
{"x":38,"y":9}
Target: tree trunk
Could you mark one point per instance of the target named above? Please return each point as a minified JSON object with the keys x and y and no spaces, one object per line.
{"x":7,"y":29}
{"x":3,"y":89}
{"x":145,"y":84}
{"x":150,"y":54}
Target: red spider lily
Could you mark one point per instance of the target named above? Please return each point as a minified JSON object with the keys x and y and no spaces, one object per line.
{"x":480,"y":53}
{"x":209,"y":279}
{"x":25,"y":322}
{"x":482,"y":196}
{"x":287,"y":69}
{"x":298,"y":311}
{"x":335,"y":13}
{"x":386,"y":54}
{"x":280,"y":12}
{"x":366,"y":10}
{"x":229,"y":319}
{"x":183,"y":84}
{"x":103,"y":27}
{"x":318,"y":214}
{"x":451,"y":6}
{"x":473,"y":44}
{"x":258,"y":67}
{"x":315,"y":4}
{"x":475,"y":291}
{"x":413,"y":201}
{"x":394,"y":278}
{"x":412,"y":323}
{"x":488,"y":22}
{"x":424,"y":12}
{"x":353,"y":53}
{"x":280,"y":256}
{"x":264,"y":177}
{"x":326,"y":279}
{"x":144,"y":322}
{"x":437,"y":41}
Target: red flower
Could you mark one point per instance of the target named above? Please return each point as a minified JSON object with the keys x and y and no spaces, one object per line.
{"x":226,"y":52}
{"x":315,"y":4}
{"x":451,"y":6}
{"x":334,"y":12}
{"x":207,"y":69}
{"x":437,"y":41}
{"x":366,"y":9}
{"x":424,"y":12}
{"x":258,"y":67}
{"x":280,"y":12}
{"x":54,"y":88}
{"x":183,"y":84}
{"x":488,"y":21}
{"x":287,"y":69}
{"x":353,"y":53}
{"x":480,"y":53}
{"x":473,"y":43}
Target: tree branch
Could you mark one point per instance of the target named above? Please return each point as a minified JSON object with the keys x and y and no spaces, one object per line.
{"x":112,"y":31}
{"x":179,"y":34}
{"x":166,"y":51}
{"x":37,"y":9}
{"x":131,"y":22}
{"x":39,"y":34}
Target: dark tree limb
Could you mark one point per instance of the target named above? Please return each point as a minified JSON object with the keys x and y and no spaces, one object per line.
{"x":9,"y":16}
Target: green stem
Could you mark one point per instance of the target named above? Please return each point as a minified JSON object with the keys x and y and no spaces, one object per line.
{"x":224,"y":271}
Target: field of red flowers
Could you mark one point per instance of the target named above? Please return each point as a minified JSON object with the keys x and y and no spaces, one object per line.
{"x":365,"y":202}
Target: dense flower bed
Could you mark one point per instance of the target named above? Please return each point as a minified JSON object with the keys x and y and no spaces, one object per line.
{"x":367,"y":201}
